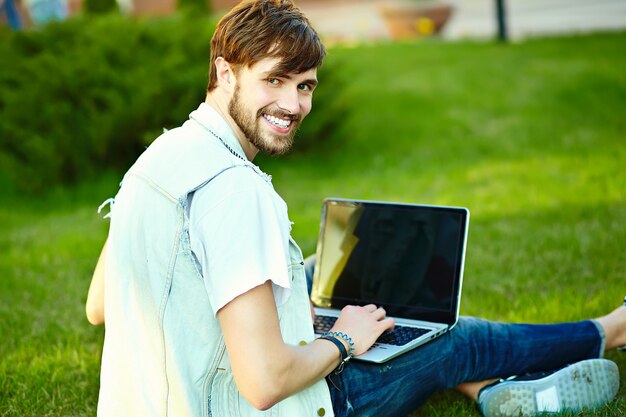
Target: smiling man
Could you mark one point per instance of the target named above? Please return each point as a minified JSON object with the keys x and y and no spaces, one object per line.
{"x":204,"y":293}
{"x":279,"y":55}
{"x":266,"y":106}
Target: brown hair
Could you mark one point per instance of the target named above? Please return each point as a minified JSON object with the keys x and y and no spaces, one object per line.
{"x":259,"y":29}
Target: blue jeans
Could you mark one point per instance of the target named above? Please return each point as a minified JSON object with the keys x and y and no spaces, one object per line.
{"x":474,"y":350}
{"x":12,"y":14}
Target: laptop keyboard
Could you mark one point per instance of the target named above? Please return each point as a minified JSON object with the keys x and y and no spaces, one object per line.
{"x":399,"y":336}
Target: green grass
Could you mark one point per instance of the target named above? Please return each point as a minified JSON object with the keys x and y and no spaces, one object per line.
{"x":530,"y":137}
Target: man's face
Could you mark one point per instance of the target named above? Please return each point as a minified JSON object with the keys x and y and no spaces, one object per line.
{"x":268,"y":107}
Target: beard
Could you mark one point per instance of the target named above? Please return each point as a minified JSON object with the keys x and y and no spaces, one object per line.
{"x":267,"y":142}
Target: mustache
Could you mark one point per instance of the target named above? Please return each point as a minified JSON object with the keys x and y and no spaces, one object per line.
{"x":277,"y":112}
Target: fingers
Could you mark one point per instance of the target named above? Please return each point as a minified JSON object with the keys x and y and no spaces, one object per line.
{"x":379,"y":313}
{"x":384,"y":322}
{"x":376,"y":313}
{"x":387,"y":324}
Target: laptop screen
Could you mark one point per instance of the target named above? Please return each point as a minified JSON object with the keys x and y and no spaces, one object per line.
{"x":406,"y":258}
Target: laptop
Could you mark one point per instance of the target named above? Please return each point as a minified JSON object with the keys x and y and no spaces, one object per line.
{"x":406,"y":258}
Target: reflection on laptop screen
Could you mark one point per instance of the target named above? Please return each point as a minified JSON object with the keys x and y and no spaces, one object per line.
{"x":403,"y":257}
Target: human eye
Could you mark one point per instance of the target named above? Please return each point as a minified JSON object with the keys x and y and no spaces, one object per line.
{"x":305,"y":87}
{"x":273,"y":81}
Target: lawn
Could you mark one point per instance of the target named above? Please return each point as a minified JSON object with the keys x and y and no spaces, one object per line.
{"x":529,"y":136}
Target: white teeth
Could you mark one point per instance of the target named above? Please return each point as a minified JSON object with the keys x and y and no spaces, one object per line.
{"x":276,"y":121}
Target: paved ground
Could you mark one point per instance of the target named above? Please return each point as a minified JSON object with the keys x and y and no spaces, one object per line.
{"x":361,"y":20}
{"x":476,"y":18}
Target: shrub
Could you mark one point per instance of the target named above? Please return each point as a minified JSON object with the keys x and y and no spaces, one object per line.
{"x":92,"y":92}
{"x":195,"y":6}
{"x":100,"y":6}
{"x":85,"y":94}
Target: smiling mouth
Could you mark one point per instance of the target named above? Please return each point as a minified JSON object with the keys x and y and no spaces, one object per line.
{"x":277,"y":121}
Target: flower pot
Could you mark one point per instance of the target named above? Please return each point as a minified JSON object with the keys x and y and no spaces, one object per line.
{"x":411,"y":20}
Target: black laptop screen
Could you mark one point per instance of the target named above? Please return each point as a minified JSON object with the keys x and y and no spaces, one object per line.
{"x":406,"y":258}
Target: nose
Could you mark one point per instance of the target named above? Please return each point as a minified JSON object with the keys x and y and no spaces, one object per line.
{"x":289,"y":100}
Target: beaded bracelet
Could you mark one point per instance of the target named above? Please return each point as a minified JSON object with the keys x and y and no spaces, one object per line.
{"x":345,"y":337}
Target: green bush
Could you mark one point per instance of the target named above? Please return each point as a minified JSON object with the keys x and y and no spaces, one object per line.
{"x":90,"y":93}
{"x":195,"y":6}
{"x":100,"y":6}
{"x":82,"y":95}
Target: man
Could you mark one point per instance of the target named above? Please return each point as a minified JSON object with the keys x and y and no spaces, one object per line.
{"x":205,"y":296}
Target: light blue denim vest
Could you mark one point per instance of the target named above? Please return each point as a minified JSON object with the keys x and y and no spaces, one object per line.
{"x":164,"y":353}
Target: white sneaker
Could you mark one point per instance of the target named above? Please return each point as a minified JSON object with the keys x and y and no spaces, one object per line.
{"x":587,"y":384}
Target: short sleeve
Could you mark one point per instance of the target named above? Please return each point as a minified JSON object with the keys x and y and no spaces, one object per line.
{"x":239,"y":232}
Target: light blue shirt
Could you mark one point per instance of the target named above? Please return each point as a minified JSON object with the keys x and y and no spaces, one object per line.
{"x":164,"y":353}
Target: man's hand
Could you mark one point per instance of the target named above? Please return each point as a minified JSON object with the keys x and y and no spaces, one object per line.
{"x":363,"y":324}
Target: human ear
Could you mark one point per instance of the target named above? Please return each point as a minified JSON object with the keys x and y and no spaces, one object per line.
{"x":225,"y":74}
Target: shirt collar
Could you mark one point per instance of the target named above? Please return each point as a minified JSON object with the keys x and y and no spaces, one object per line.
{"x":208,"y":117}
